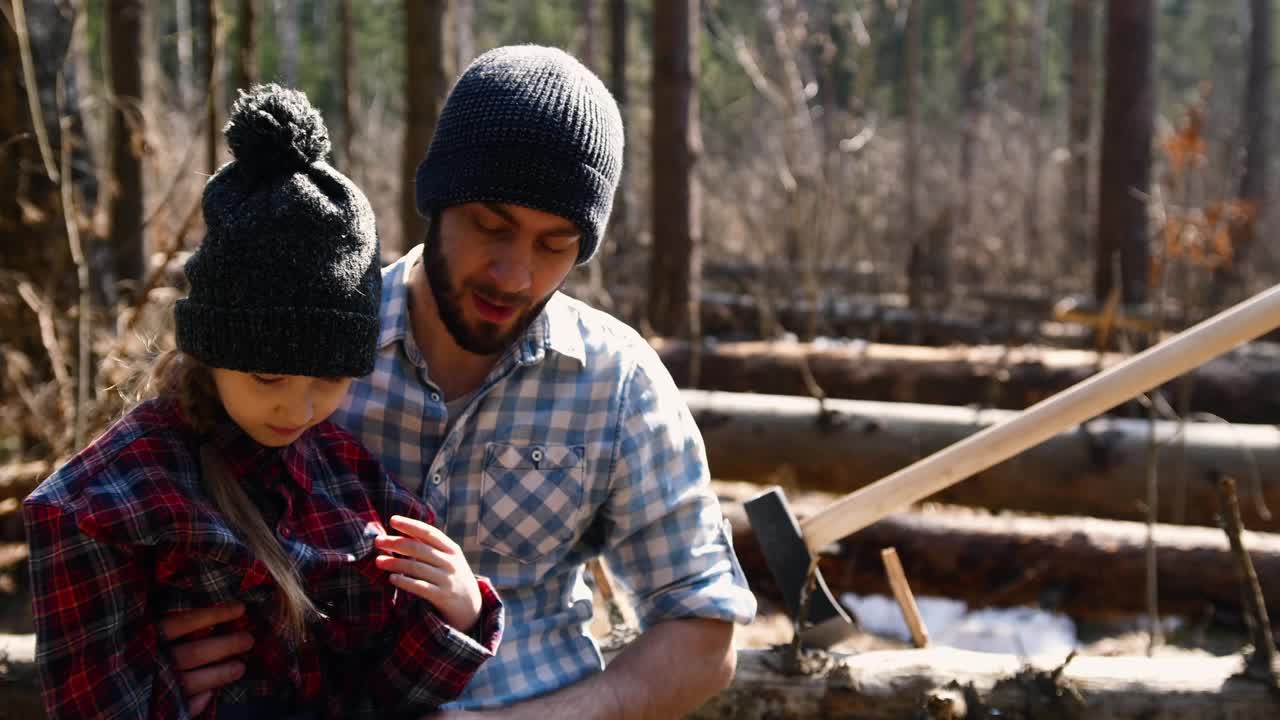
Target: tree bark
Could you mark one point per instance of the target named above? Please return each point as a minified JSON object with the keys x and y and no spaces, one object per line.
{"x":1034,"y":126}
{"x":346,"y":73}
{"x":1079,"y":132}
{"x":464,"y":18}
{"x":1086,"y":568}
{"x":245,"y":69}
{"x":185,"y":41}
{"x":1128,"y":119}
{"x":1241,"y":386}
{"x":934,"y":683}
{"x":968,"y":82}
{"x":124,"y":30}
{"x":430,"y":70}
{"x":1097,"y":470}
{"x":290,"y":38}
{"x":675,"y":261}
{"x":618,"y":85}
{"x":1256,"y":121}
{"x":917,"y":273}
{"x":212,"y":93}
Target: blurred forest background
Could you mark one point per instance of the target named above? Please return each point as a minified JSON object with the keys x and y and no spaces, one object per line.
{"x":952,"y":202}
{"x":908,"y":170}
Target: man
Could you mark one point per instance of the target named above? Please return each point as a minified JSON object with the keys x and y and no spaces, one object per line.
{"x":541,"y":431}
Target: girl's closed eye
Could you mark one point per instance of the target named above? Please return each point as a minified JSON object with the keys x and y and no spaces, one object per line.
{"x":267,"y":379}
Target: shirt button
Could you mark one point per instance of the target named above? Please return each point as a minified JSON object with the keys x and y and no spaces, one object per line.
{"x":435,"y":397}
{"x":436,"y":479}
{"x":536,"y":455}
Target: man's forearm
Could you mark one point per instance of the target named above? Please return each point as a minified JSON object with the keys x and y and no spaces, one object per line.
{"x":671,"y":669}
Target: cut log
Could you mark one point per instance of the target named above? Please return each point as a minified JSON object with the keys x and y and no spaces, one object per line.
{"x":946,"y":683}
{"x":1098,"y":469}
{"x":1241,"y":386}
{"x":1084,"y":567}
{"x":19,"y":682}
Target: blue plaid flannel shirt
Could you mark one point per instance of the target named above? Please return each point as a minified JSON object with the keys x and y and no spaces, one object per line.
{"x":577,"y":444}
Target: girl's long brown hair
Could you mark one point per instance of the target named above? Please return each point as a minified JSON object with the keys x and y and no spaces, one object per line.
{"x":183,"y":379}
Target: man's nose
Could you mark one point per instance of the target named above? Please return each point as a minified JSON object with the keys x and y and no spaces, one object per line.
{"x":510,"y":270}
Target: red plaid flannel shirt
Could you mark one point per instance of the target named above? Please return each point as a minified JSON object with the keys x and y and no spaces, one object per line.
{"x":124,"y":533}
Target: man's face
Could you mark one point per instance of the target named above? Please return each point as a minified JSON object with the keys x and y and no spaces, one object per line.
{"x":276,"y":409}
{"x":492,"y":267}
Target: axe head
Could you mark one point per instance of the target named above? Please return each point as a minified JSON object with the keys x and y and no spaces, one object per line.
{"x":788,"y":557}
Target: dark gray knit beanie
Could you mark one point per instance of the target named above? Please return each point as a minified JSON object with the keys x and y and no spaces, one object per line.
{"x":287,"y":280}
{"x":530,"y":126}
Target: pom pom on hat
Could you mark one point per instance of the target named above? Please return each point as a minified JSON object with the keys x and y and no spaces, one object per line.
{"x":274,"y":130}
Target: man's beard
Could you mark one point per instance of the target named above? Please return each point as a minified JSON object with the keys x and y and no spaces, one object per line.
{"x":487,"y":339}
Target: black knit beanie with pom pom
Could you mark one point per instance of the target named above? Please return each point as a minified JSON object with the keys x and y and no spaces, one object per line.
{"x":287,"y":280}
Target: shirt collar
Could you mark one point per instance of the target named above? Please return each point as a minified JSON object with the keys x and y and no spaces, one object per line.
{"x":244,"y":456}
{"x":556,"y":328}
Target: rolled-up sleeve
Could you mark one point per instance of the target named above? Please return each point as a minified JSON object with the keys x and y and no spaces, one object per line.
{"x":667,"y":538}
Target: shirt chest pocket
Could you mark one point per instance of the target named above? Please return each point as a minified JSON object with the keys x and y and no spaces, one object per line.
{"x":531,"y":498}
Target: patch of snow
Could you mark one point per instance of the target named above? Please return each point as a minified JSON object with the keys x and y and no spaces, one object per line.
{"x":1023,"y":631}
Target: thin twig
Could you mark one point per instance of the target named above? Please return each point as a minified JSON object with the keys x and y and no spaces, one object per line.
{"x":82,"y":275}
{"x":1262,"y":662}
{"x":33,"y":89}
{"x":49,"y":337}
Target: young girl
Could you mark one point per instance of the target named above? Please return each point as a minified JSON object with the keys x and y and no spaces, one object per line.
{"x":230,"y":485}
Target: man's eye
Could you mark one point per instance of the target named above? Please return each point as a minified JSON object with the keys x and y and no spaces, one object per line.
{"x":265,"y":380}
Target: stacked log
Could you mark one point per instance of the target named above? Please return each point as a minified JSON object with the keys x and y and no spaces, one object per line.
{"x":1084,"y":567}
{"x":1241,"y":386}
{"x":1096,"y":469}
{"x":946,"y":684}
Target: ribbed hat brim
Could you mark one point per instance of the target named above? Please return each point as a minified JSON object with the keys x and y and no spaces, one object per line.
{"x":316,"y":342}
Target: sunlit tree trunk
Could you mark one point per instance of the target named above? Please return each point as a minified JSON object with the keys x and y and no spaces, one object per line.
{"x":430,"y":69}
{"x":675,"y":265}
{"x":1128,"y":118}
{"x":124,"y":31}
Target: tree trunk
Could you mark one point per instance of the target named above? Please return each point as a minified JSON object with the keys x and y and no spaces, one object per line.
{"x":429,"y":74}
{"x":917,"y":274}
{"x":1079,"y":132}
{"x":346,"y":73}
{"x":946,"y":684}
{"x":589,"y":13}
{"x":968,"y":82}
{"x":1087,"y":568}
{"x":290,"y":38}
{"x":1256,"y":122}
{"x":124,"y":30}
{"x":186,"y":41}
{"x":245,"y":70}
{"x":1034,"y":127}
{"x":618,"y":84}
{"x":1097,"y":470}
{"x":1128,"y":118}
{"x":464,"y":18}
{"x":675,"y":261}
{"x":212,"y":93}
{"x":1240,"y":386}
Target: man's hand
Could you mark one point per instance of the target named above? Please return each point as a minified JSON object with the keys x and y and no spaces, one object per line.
{"x":428,"y":564}
{"x":640,"y":683}
{"x":208,"y":664}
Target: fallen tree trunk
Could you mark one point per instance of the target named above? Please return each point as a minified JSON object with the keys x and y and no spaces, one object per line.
{"x":1241,"y":386}
{"x":1084,"y":567}
{"x":1097,"y":469}
{"x":941,"y":683}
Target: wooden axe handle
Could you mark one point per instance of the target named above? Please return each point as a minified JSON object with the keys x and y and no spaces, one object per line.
{"x":1068,"y":408}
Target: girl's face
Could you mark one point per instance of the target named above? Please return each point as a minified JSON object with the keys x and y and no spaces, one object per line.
{"x":276,"y":409}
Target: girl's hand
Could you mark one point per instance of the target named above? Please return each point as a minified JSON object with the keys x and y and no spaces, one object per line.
{"x":425,"y":562}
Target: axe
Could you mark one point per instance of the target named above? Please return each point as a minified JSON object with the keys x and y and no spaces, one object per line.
{"x":790,"y":547}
